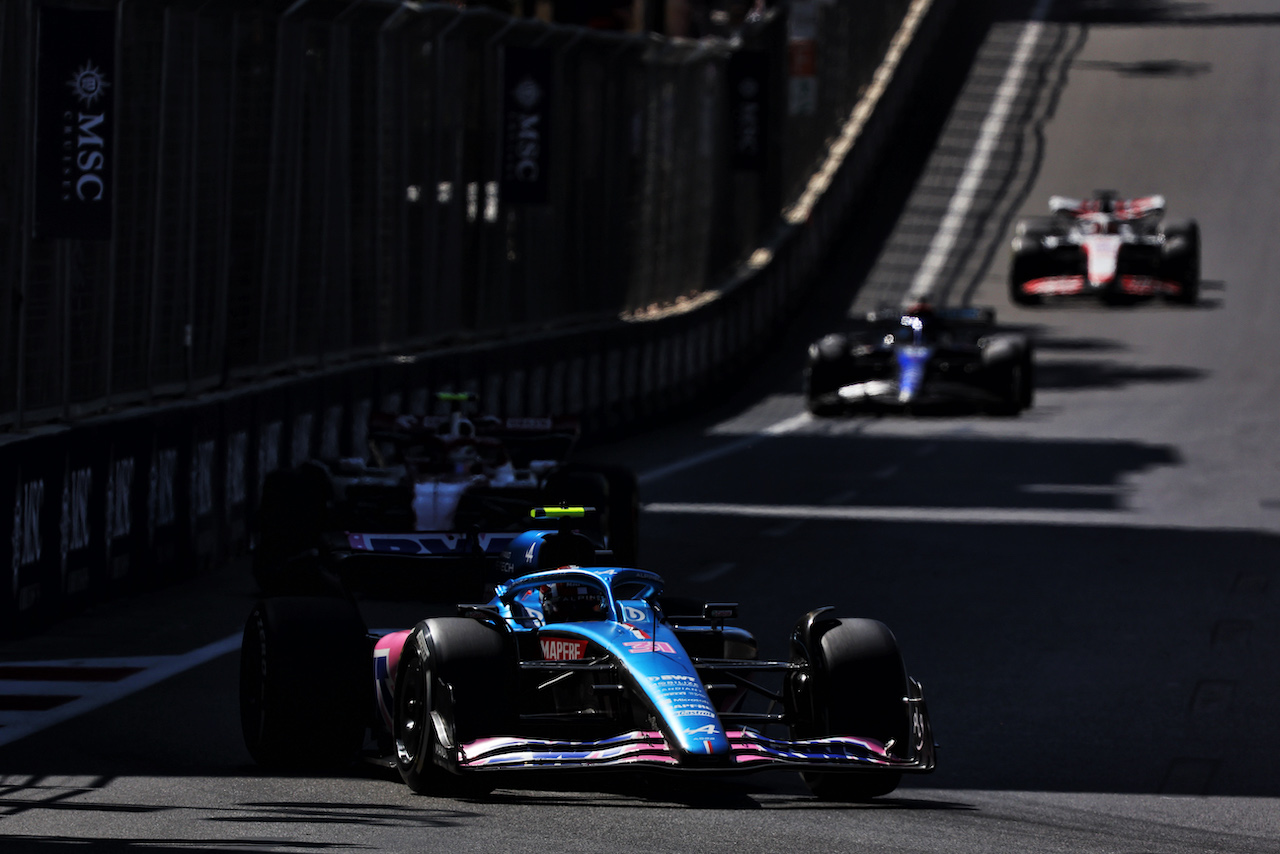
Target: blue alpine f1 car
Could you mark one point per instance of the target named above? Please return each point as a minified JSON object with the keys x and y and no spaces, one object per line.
{"x":571,"y":666}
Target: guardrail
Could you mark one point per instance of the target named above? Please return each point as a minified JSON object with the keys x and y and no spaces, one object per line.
{"x":198,"y":195}
{"x":157,"y":492}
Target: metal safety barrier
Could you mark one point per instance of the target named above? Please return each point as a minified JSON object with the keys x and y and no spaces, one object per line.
{"x":292,"y":186}
{"x":324,"y":208}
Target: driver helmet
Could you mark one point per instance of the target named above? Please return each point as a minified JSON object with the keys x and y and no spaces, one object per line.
{"x":921,"y":318}
{"x":567,"y":602}
{"x":465,"y":458}
{"x":921,"y":309}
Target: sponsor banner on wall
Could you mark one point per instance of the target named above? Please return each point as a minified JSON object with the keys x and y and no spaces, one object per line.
{"x":393,"y":386}
{"x":303,"y":424}
{"x":526,"y":125}
{"x":362,"y":398}
{"x":126,"y":545}
{"x":35,"y":554}
{"x":749,"y":109}
{"x":75,"y":122}
{"x":82,"y":518}
{"x":236,"y":475}
{"x":10,"y":453}
{"x":802,"y":57}
{"x":206,"y":468}
{"x":270,"y":427}
{"x":167,"y":512}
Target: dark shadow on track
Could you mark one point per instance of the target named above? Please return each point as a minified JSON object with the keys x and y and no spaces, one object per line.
{"x":1057,"y":344}
{"x":1076,"y":375}
{"x":931,"y":472}
{"x":1056,"y":655}
{"x":663,"y":791}
{"x":1113,"y":658}
{"x":1148,"y":67}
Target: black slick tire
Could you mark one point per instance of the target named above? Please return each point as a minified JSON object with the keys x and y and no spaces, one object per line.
{"x":1028,"y":260}
{"x":859,"y":683}
{"x":1181,"y":261}
{"x":454,"y":684}
{"x":623,"y":507}
{"x":305,"y":675}
{"x":290,"y":521}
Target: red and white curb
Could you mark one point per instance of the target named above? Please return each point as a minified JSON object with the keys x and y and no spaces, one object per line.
{"x":35,"y":695}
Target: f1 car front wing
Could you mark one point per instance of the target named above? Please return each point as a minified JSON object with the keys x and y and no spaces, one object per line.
{"x":749,"y":751}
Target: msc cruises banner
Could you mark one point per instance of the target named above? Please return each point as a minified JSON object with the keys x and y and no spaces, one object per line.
{"x":749,"y":108}
{"x":74,"y":123}
{"x":526,"y":125}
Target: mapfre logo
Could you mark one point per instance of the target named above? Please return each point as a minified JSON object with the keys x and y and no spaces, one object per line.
{"x":563,"y":649}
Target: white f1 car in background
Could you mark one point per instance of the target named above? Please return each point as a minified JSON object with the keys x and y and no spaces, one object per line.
{"x":1108,"y":247}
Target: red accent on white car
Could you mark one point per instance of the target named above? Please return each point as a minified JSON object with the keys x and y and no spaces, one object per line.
{"x":1148,"y":286}
{"x":1054,"y":285}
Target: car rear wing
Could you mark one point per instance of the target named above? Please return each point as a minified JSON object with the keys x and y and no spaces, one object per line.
{"x":1122,"y":209}
{"x":525,"y":439}
{"x":432,"y":543}
{"x":431,"y":566}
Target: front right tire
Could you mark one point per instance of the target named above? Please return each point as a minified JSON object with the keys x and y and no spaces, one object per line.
{"x":1181,"y":260}
{"x":858,"y":688}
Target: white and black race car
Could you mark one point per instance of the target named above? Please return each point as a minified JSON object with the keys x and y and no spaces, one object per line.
{"x":1107,"y":247}
{"x":455,"y":487}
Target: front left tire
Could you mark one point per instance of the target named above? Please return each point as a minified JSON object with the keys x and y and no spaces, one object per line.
{"x":305,"y":673}
{"x":454,"y":684}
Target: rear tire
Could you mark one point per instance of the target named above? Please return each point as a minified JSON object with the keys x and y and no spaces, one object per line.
{"x":623,"y":521}
{"x":291,"y":520}
{"x":305,"y":672}
{"x":455,"y":673}
{"x":859,"y":683}
{"x":614,"y":492}
{"x":1028,"y":261}
{"x":1020,"y":386}
{"x":1181,"y":261}
{"x":1027,"y":385}
{"x":827,"y":370}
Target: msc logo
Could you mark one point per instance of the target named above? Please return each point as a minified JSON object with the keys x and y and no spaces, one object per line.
{"x":87,"y":84}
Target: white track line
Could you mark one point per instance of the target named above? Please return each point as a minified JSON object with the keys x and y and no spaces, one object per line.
{"x":786,"y":425}
{"x":944,"y":239}
{"x":936,"y":515}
